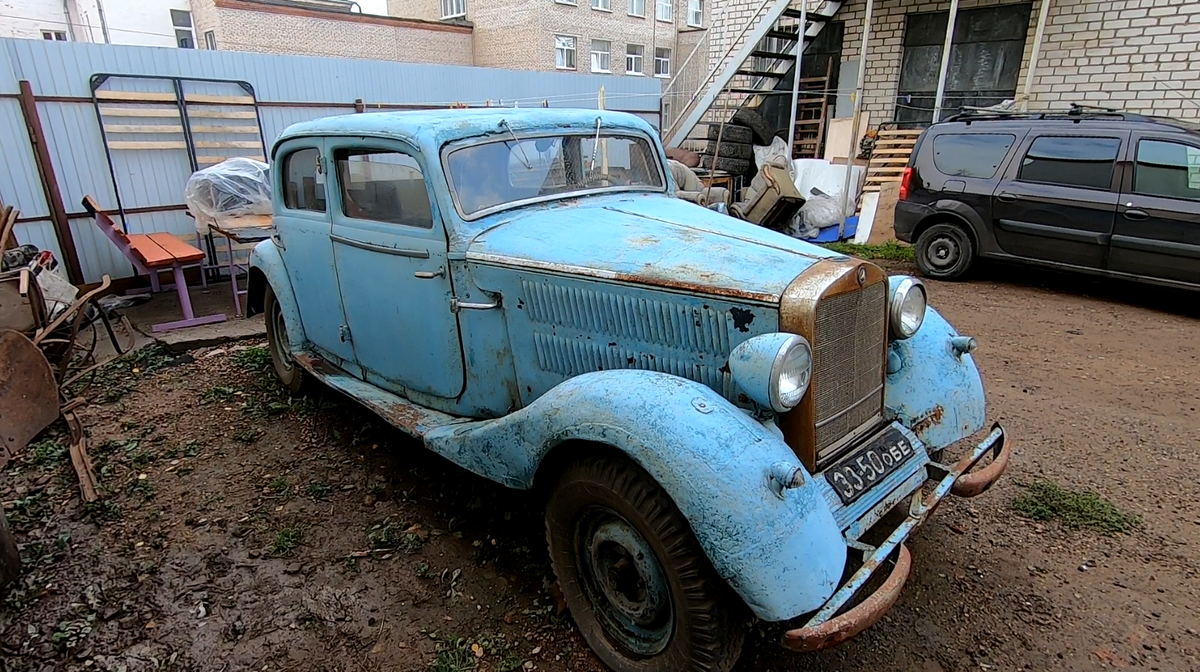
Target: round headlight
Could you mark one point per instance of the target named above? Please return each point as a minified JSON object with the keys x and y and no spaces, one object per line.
{"x":908,"y":308}
{"x":790,"y":375}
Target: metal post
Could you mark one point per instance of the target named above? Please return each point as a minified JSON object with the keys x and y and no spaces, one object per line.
{"x":1043,"y":15}
{"x":796,"y":78}
{"x":944,"y":73}
{"x":858,"y":93}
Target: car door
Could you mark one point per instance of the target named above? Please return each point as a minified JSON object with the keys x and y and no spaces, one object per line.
{"x":303,"y":228}
{"x":390,"y":248}
{"x":1157,"y":231}
{"x":1058,"y":202}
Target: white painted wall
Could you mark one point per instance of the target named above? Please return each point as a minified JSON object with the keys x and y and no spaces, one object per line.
{"x":132,"y":22}
{"x":28,"y":18}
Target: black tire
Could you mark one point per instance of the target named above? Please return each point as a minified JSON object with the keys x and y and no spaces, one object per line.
{"x":289,"y":372}
{"x":731,"y":133}
{"x":617,"y":542}
{"x":944,"y":251}
{"x":732,"y":150}
{"x":731,"y":166}
{"x":763,"y":134}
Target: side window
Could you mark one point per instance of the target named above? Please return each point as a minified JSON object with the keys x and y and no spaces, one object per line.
{"x":1167,"y":169}
{"x":303,"y":183}
{"x":384,"y":187}
{"x":971,"y":154}
{"x":1071,"y":161}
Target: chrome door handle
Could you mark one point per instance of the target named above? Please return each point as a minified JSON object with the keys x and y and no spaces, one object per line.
{"x":427,"y":275}
{"x":456,"y":305}
{"x":1136,"y":215}
{"x":1005,"y":197}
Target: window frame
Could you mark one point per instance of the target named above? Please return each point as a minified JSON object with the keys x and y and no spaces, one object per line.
{"x":572,"y":3}
{"x":453,"y":5}
{"x":574,"y":52}
{"x":667,"y":60}
{"x":695,"y":7}
{"x":210,"y":40}
{"x":284,"y":176}
{"x":641,"y":56}
{"x":629,"y":6}
{"x":999,"y":167}
{"x":1136,"y":147}
{"x":602,"y":5}
{"x":667,"y":16}
{"x":607,"y":53}
{"x":55,"y":36}
{"x":339,"y":151}
{"x":1032,"y":140}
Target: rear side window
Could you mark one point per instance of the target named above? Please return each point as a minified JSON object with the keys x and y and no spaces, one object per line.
{"x":1168,"y":169}
{"x":303,"y":182}
{"x":1071,"y":161}
{"x":383,"y":186}
{"x":971,"y":154}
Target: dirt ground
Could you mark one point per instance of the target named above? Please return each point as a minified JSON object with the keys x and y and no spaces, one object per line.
{"x":244,"y":530}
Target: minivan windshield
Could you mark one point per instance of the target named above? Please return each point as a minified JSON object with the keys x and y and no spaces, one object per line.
{"x":503,"y":172}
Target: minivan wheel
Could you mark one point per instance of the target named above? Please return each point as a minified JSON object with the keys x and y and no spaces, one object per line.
{"x":290,"y":374}
{"x":640,"y":588}
{"x":944,"y":251}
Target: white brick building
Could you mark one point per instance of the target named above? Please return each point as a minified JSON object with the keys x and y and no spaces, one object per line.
{"x":166,"y":23}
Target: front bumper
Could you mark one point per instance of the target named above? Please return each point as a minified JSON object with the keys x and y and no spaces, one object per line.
{"x":827,"y":628}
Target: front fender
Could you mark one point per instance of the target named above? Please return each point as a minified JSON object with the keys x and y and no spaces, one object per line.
{"x":936,"y":392}
{"x":782,"y":555}
{"x":266,"y":259}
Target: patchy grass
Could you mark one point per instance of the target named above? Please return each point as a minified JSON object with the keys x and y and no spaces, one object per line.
{"x":453,"y":656}
{"x":280,"y":486}
{"x":286,"y":541}
{"x":1074,"y":509}
{"x":47,"y":454}
{"x":247,"y":435}
{"x":257,"y":358}
{"x":118,"y":377}
{"x":70,"y":634}
{"x":889,"y":251}
{"x":386,"y":535}
{"x":318,"y":489}
{"x":102,"y":510}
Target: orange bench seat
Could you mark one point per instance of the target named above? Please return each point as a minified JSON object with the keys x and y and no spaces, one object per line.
{"x":161,"y":250}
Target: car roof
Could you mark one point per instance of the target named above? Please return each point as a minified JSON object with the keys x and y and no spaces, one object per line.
{"x":1104,"y":120}
{"x":434,"y":128}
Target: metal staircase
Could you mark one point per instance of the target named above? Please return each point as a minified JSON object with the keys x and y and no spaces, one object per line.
{"x":752,"y":66}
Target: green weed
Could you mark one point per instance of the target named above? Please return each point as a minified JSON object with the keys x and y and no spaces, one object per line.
{"x":454,"y":655}
{"x":286,"y":540}
{"x":280,"y":485}
{"x":889,"y":251}
{"x":257,"y":358}
{"x":47,"y":453}
{"x":70,"y":634}
{"x":1075,"y":509}
{"x":317,"y":489}
{"x":247,"y":435}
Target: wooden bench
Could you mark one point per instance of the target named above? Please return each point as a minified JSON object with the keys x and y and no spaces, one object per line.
{"x":151,"y":253}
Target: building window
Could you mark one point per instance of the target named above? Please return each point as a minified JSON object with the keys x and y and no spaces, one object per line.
{"x":453,"y":9}
{"x":600,"y":56}
{"x":566,"y":2}
{"x":184,"y":37}
{"x":664,"y":10}
{"x":662,"y":62}
{"x":54,"y":35}
{"x":634,"y":58}
{"x":695,"y":17}
{"x":602,"y":5}
{"x":637,"y":7}
{"x":210,"y":40}
{"x":564,"y":52}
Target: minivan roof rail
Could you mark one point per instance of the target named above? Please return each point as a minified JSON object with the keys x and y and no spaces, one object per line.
{"x":1075,"y":112}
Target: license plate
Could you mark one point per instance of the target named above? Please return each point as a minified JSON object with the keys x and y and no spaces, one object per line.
{"x":869,"y":465}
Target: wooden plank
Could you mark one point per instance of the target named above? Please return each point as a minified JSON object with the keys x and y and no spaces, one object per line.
{"x":905,"y":151}
{"x":900,"y":133}
{"x":211,"y":160}
{"x":140,"y":144}
{"x":242,"y":128}
{"x":177,"y":248}
{"x":136,"y":95}
{"x":884,"y":228}
{"x":223,"y":114}
{"x":217,"y":100}
{"x":149,"y":252}
{"x":889,"y":159}
{"x":228,"y":144}
{"x":142,"y":128}
{"x":885,"y":170}
{"x":139,"y":111}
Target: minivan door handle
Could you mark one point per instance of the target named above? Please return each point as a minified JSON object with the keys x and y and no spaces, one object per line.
{"x":1005,"y":197}
{"x":1137,"y":215}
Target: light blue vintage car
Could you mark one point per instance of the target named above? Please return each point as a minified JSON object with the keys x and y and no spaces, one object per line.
{"x":727,"y":423}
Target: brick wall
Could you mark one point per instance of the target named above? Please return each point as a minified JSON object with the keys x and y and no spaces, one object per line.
{"x":272,"y":29}
{"x":1138,"y":55}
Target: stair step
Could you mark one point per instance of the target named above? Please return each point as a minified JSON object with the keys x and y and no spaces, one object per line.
{"x":792,"y":35}
{"x":761,"y":73}
{"x":793,"y":13}
{"x":773,"y":54}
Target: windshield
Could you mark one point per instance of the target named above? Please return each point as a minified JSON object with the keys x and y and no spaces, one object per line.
{"x":507,"y":171}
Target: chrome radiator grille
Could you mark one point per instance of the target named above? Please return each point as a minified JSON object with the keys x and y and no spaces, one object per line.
{"x":848,"y":359}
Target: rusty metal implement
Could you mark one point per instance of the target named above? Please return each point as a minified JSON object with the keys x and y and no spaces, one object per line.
{"x":28,"y":393}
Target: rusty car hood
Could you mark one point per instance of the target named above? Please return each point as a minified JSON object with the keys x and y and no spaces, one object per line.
{"x":649,"y":240}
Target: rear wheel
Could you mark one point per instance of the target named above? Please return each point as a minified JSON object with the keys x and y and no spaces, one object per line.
{"x":290,"y":374}
{"x":944,"y":251}
{"x":640,"y":588}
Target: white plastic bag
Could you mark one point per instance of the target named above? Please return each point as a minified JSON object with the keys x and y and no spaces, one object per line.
{"x":233,"y":188}
{"x":59,"y":293}
{"x":776,"y":155}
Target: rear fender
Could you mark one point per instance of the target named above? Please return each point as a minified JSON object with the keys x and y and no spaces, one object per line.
{"x":266,"y":260}
{"x":782,"y":553}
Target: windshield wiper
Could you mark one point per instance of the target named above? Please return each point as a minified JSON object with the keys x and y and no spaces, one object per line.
{"x":524,"y":159}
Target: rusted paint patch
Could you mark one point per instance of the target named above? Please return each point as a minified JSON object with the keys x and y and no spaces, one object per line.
{"x":933,"y":417}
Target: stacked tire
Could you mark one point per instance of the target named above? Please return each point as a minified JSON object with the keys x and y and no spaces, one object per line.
{"x":730,"y":146}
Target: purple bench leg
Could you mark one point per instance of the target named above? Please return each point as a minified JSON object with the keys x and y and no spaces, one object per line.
{"x":185,"y":302}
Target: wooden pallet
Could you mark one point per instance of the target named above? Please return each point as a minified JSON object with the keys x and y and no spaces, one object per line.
{"x":889,"y":158}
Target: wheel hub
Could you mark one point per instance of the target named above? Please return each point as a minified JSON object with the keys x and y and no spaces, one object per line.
{"x":943,"y":252}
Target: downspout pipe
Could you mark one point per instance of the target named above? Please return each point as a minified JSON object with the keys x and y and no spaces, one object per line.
{"x":1043,"y":15}
{"x":858,"y":95}
{"x":944,"y":74}
{"x":796,"y":78}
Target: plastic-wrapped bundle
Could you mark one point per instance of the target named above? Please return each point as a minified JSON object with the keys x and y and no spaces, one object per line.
{"x":233,"y":188}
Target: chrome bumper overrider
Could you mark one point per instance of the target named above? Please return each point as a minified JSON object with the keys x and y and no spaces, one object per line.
{"x":826,"y":628}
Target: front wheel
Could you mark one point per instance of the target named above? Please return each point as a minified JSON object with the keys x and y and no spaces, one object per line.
{"x":944,"y":251}
{"x":642,"y":592}
{"x":290,"y":374}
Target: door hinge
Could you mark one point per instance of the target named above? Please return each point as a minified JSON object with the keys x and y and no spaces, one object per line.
{"x":344,"y":333}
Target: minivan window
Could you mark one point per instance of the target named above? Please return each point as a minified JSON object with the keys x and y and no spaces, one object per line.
{"x":1071,"y":161}
{"x":1168,"y":169}
{"x":303,"y":182}
{"x":971,"y":154}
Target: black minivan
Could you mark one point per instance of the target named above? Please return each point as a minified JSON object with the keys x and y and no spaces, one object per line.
{"x":1107,"y":193}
